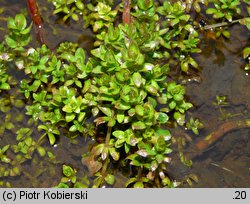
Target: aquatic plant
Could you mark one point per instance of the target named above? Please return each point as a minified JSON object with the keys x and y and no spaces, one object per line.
{"x":224,"y":9}
{"x":122,"y":96}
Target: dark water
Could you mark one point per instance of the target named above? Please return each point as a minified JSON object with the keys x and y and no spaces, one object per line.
{"x":225,"y":164}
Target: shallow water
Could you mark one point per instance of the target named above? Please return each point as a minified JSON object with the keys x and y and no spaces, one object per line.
{"x":225,"y":164}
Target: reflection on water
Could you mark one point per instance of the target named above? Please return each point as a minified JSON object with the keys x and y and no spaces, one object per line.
{"x":225,"y":164}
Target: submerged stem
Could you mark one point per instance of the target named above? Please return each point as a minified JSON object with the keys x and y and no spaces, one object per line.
{"x":106,"y":162}
{"x":224,"y":128}
{"x":208,"y":27}
{"x":210,"y":139}
{"x":108,"y":136}
{"x":41,"y":139}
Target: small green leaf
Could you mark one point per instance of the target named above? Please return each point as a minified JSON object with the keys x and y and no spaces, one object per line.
{"x":180,"y":118}
{"x":104,"y":153}
{"x":67,"y":108}
{"x":163,"y":118}
{"x":163,"y":133}
{"x":166,"y":181}
{"x":28,"y":141}
{"x":130,"y":181}
{"x":145,"y":4}
{"x":111,"y":122}
{"x":68,"y":171}
{"x":139,"y":109}
{"x":70,"y":117}
{"x":97,"y":150}
{"x":107,"y":111}
{"x":151,"y":89}
{"x":142,"y":152}
{"x":80,"y":185}
{"x":246,"y":52}
{"x":81,"y":116}
{"x":110,"y":179}
{"x":226,"y":34}
{"x":120,"y":117}
{"x":4,"y":149}
{"x":137,"y":79}
{"x":78,"y":83}
{"x":211,"y":11}
{"x":184,"y":66}
{"x":172,"y":104}
{"x":114,"y":153}
{"x":75,"y":17}
{"x":62,"y":185}
{"x":133,"y":51}
{"x":20,"y":21}
{"x":4,"y":86}
{"x":52,"y":138}
{"x":86,"y":86}
{"x":10,"y":42}
{"x":122,"y":105}
{"x":67,"y":56}
{"x":95,"y":111}
{"x":79,"y":4}
{"x":41,"y":151}
{"x":139,"y":125}
{"x":118,"y":134}
{"x":218,"y":15}
{"x":113,"y":33}
{"x":138,"y":184}
{"x":69,"y":82}
{"x":178,"y":97}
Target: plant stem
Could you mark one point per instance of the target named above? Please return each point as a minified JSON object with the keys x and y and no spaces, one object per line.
{"x":209,"y":27}
{"x":41,"y":139}
{"x":108,"y":136}
{"x":224,"y":128}
{"x":126,"y":16}
{"x":139,"y":172}
{"x":157,"y":182}
{"x":105,"y":166}
{"x":37,"y":20}
{"x":3,"y":19}
{"x":106,"y":162}
{"x":210,"y":139}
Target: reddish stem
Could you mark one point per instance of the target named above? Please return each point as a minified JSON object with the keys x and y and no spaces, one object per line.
{"x":126,"y":16}
{"x":226,"y":127}
{"x":36,"y":18}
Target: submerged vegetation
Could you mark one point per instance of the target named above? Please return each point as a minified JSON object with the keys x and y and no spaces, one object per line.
{"x":123,"y":95}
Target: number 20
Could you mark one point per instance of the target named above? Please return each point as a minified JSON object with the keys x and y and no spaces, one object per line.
{"x":240,"y":195}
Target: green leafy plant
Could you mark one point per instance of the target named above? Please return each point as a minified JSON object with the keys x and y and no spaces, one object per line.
{"x":20,"y":33}
{"x":182,"y":37}
{"x":97,"y":14}
{"x":194,"y":125}
{"x":224,"y":9}
{"x":4,"y":85}
{"x":71,"y":8}
{"x":122,"y":95}
{"x":195,"y":4}
{"x":3,"y":156}
{"x":117,"y":86}
{"x":70,"y":179}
